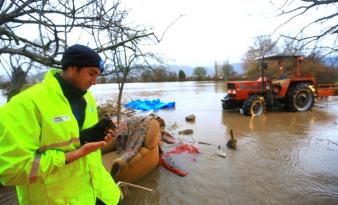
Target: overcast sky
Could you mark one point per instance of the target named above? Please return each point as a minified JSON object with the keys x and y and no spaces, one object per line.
{"x":209,"y":31}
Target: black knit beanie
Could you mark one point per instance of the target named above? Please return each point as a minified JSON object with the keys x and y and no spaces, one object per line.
{"x":81,"y":56}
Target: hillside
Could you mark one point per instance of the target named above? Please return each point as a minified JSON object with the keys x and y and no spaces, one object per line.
{"x":210,"y":69}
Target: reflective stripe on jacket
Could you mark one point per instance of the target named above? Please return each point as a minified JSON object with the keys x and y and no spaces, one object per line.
{"x":36,"y":128}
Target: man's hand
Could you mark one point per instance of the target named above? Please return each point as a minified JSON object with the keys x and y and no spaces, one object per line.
{"x":91,"y":147}
{"x":84,"y":150}
{"x":98,"y":132}
{"x":110,"y":135}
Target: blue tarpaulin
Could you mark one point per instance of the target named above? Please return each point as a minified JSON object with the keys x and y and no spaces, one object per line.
{"x":146,"y":105}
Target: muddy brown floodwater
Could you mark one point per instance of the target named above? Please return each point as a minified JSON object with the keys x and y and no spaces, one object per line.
{"x":281,"y":157}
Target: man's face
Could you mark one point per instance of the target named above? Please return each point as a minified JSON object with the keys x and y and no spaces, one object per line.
{"x":83,"y":78}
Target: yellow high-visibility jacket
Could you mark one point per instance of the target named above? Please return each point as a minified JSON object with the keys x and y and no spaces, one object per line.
{"x":37,"y":127}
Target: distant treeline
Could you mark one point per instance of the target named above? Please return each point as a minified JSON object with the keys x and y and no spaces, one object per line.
{"x":223,"y":71}
{"x":322,"y":72}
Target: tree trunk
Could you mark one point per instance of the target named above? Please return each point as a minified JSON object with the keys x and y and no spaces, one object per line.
{"x":119,"y":104}
{"x":18,"y":80}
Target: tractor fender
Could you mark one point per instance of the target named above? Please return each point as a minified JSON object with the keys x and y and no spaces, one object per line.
{"x":288,"y":83}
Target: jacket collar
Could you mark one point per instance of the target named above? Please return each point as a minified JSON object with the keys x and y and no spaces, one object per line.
{"x":52,"y":82}
{"x":65,"y":89}
{"x":69,"y":90}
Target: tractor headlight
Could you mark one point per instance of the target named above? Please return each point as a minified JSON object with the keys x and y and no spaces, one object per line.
{"x":232,"y":92}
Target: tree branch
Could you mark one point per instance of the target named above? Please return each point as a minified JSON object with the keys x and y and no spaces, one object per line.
{"x":49,"y":61}
{"x":113,"y":47}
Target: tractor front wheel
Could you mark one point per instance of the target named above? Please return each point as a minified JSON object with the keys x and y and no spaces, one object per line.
{"x":300,"y":98}
{"x":254,"y":106}
{"x":228,"y":104}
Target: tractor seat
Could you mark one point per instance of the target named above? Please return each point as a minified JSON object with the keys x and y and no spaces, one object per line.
{"x":266,"y":79}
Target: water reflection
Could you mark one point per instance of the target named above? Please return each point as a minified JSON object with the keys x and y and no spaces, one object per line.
{"x":293,"y":122}
{"x":220,"y":87}
{"x":283,"y":148}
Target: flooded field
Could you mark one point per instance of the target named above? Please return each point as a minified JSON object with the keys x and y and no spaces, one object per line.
{"x":282,"y":158}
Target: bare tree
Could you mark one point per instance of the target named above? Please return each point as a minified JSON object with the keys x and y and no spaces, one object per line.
{"x":39,"y":30}
{"x":262,"y":46}
{"x":127,"y":59}
{"x":123,"y":48}
{"x":200,"y":72}
{"x":228,"y":70}
{"x":218,"y":70}
{"x":318,"y":24}
{"x":17,"y":73}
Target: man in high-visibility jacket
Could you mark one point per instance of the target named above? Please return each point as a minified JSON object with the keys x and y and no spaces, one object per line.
{"x":44,"y":151}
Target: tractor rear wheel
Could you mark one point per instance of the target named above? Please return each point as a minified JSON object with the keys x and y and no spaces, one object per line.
{"x":254,"y":106}
{"x":300,"y":98}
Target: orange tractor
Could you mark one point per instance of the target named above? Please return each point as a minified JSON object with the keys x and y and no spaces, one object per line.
{"x":296,"y":93}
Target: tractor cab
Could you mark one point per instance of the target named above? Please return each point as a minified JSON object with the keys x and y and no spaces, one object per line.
{"x":287,"y":72}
